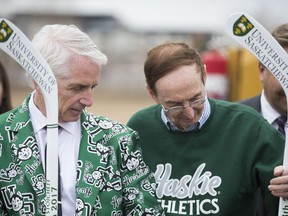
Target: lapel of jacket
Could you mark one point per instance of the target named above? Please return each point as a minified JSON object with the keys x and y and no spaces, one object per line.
{"x":25,"y":150}
{"x":92,"y":155}
{"x":258,"y":103}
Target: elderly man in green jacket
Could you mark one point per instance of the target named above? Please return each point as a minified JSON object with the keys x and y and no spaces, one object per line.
{"x":102,"y":169}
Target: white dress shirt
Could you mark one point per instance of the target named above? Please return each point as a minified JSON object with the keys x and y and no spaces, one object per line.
{"x":68,"y":150}
{"x":268,"y":112}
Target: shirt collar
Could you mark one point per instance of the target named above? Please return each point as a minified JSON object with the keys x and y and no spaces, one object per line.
{"x":267,"y":110}
{"x":203,"y":118}
{"x":69,"y":126}
{"x":38,"y":119}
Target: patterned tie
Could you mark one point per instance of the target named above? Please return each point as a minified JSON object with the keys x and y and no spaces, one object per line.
{"x":281,"y":121}
{"x":59,"y":191}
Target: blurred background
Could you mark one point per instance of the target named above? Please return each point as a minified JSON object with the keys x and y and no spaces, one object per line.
{"x":125,"y":30}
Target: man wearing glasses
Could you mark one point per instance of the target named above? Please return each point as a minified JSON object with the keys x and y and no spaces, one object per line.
{"x":209,"y":156}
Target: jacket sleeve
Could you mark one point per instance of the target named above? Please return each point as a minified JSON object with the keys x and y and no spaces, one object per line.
{"x":137,"y":179}
{"x":269,"y":148}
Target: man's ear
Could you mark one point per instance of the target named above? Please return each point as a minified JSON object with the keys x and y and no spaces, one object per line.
{"x":152,"y":94}
{"x":261,"y":69}
{"x":204,"y":74}
{"x":37,"y":88}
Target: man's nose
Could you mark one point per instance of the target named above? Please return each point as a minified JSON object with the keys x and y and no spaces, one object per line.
{"x":87,"y":98}
{"x":189,"y":111}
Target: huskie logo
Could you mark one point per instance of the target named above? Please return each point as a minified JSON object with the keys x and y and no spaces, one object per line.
{"x":185,"y":193}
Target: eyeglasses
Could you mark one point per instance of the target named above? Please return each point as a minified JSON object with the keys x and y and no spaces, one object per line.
{"x":179,"y":109}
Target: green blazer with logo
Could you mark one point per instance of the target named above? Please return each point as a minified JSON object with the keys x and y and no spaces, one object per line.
{"x":112,"y":178}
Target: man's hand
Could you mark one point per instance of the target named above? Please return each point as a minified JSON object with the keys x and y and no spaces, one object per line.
{"x":279,"y":185}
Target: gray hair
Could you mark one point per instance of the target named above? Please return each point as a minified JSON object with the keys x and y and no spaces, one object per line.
{"x":59,"y":43}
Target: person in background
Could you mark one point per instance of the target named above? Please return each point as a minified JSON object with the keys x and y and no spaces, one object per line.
{"x":209,"y":156}
{"x":102,"y":169}
{"x":271,"y":103}
{"x":5,"y":95}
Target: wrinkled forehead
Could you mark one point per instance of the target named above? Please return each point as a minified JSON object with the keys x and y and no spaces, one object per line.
{"x":191,"y":71}
{"x":184,"y":79}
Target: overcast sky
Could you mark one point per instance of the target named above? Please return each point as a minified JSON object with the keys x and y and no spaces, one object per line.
{"x":163,"y":15}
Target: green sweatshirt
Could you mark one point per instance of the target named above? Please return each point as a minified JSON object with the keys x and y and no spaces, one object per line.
{"x":217,"y":169}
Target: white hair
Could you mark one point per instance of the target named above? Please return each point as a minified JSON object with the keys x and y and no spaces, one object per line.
{"x":59,"y":43}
